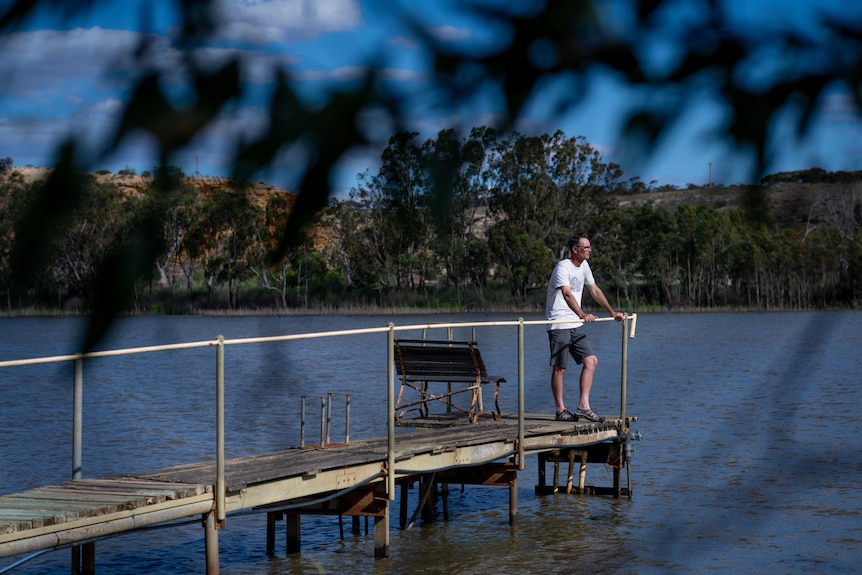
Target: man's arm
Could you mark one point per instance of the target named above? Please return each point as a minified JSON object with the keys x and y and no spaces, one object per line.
{"x":599,"y":297}
{"x":572,"y":302}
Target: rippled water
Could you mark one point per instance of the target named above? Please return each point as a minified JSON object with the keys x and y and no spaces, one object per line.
{"x":749,"y":460}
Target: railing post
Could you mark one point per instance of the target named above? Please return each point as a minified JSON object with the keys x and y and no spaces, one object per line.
{"x":521,"y":464}
{"x":78,"y":419}
{"x":623,"y":370}
{"x":328,"y":417}
{"x":323,"y":439}
{"x":347,"y":418}
{"x":77,"y":440}
{"x":390,"y":408}
{"x":221,"y":513}
{"x":302,"y":421}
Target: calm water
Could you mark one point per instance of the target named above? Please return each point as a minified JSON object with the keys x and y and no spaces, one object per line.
{"x":749,"y":460}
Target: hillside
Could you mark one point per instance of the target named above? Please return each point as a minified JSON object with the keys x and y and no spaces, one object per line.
{"x":136,"y":185}
{"x":792,"y":204}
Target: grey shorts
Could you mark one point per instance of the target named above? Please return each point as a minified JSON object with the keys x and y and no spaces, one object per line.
{"x":566,"y":342}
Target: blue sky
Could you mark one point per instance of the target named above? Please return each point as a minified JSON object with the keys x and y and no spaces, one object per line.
{"x":67,"y":76}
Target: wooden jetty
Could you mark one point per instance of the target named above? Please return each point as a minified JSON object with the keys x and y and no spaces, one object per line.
{"x":344,"y":479}
{"x":355,"y":478}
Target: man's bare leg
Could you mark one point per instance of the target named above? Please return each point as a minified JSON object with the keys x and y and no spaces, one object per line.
{"x":558,"y":378}
{"x":588,"y":371}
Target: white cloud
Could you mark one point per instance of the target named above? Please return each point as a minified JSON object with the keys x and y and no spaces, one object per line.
{"x":450,"y":33}
{"x":404,"y":42}
{"x":352,"y":73}
{"x":45,"y":60}
{"x":267,"y":21}
{"x":341,"y":74}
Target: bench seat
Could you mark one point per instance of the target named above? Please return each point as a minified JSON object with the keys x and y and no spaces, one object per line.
{"x":421,"y":361}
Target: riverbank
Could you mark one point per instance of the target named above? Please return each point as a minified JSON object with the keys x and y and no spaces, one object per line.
{"x":358,"y":311}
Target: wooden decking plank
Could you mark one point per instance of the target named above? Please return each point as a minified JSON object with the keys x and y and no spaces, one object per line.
{"x":124,"y":481}
{"x":239,"y":477}
{"x":22,"y":524}
{"x":132,"y":488}
{"x":49,"y":517}
{"x":74,"y":508}
{"x":46,"y":496}
{"x":245,"y":471}
{"x":113,"y":501}
{"x":90,"y":494}
{"x":16,"y":517}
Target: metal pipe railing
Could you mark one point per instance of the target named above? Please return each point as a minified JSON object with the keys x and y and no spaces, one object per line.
{"x":346,"y":415}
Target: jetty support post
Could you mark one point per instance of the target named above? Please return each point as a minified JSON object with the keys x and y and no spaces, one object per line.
{"x":582,"y":475}
{"x":513,"y":499}
{"x":381,"y":533}
{"x":271,"y":518}
{"x":293,"y":531}
{"x":211,"y":543}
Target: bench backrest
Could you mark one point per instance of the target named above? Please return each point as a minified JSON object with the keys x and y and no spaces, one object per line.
{"x":439,"y":360}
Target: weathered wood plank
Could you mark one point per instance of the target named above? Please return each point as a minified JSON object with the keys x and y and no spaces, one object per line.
{"x":132,"y":482}
{"x":108,"y":502}
{"x":68,"y":502}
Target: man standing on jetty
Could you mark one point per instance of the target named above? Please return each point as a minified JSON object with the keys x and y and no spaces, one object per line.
{"x":564,"y":303}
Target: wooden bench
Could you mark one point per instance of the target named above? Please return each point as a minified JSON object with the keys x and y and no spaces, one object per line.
{"x":420,"y":361}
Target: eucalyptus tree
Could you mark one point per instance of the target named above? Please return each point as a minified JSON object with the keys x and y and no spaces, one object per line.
{"x":405,"y":185}
{"x":702,"y":240}
{"x":101,"y":221}
{"x":13,"y":204}
{"x":520,"y":206}
{"x":227,"y":230}
{"x":175,"y":201}
{"x":353,"y":223}
{"x":277,"y":270}
{"x":270,"y":272}
{"x":636,"y":256}
{"x":545,"y":189}
{"x":460,"y":174}
{"x":583,"y":194}
{"x":385,"y":228}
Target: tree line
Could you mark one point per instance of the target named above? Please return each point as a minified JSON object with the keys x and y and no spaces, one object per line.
{"x":474,"y":222}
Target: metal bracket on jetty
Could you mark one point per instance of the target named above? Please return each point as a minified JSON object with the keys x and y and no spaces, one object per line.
{"x":463,"y":443}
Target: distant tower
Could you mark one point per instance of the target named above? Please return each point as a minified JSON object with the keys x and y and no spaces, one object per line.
{"x":710,"y":175}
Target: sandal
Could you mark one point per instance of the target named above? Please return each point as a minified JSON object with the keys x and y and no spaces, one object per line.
{"x":566,"y":415}
{"x":589,"y":415}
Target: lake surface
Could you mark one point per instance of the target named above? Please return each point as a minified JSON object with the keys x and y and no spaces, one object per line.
{"x":749,"y":462}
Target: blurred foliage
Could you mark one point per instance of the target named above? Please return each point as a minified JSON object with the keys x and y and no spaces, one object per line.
{"x":560,"y":40}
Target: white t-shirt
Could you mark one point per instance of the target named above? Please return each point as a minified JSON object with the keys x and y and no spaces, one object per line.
{"x":556,"y":308}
